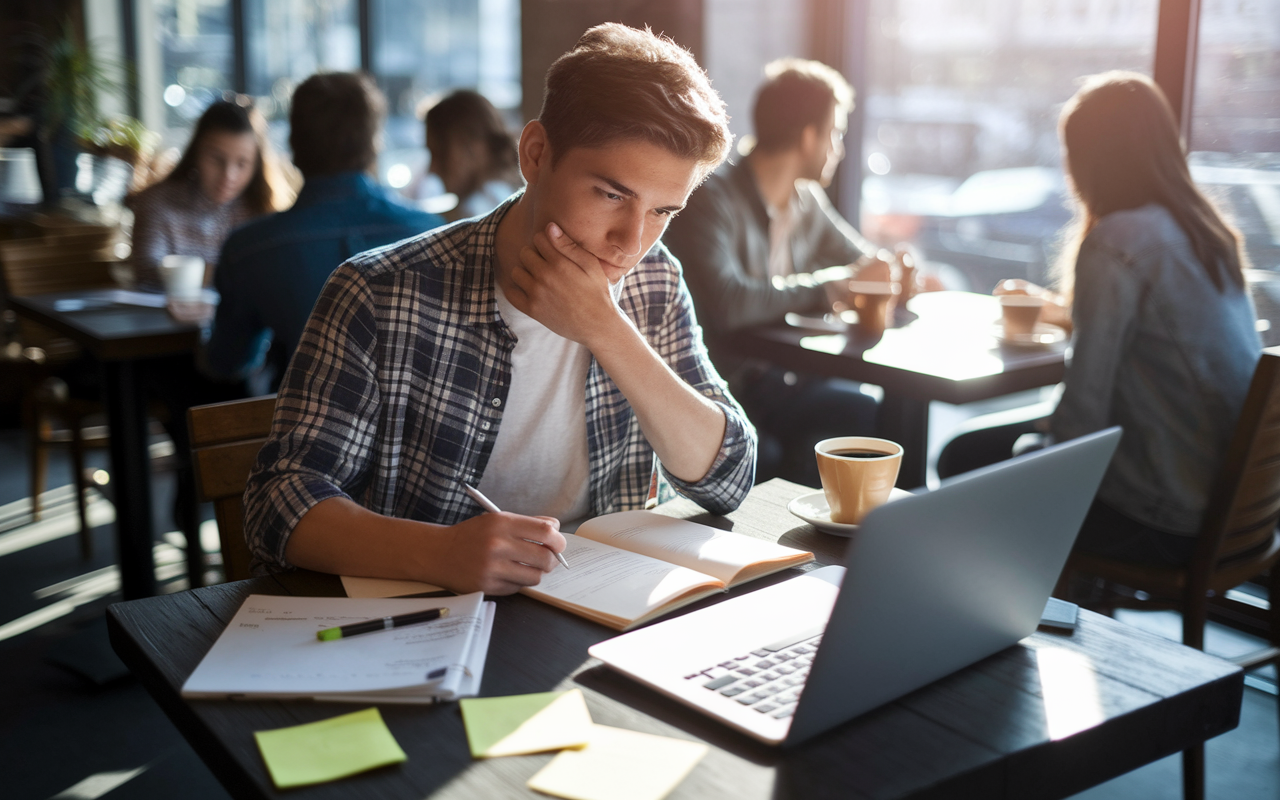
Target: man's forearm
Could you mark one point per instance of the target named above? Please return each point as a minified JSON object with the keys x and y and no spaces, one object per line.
{"x":685,"y":429}
{"x":339,"y":536}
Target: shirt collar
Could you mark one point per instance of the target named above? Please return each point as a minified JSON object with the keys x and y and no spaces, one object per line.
{"x":479,"y":295}
{"x":338,"y":186}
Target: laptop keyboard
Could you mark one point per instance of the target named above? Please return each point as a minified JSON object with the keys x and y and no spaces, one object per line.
{"x":768,"y":680}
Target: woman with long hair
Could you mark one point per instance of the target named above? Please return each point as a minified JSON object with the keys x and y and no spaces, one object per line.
{"x":472,"y":152}
{"x":226,"y":176}
{"x":1164,"y":341}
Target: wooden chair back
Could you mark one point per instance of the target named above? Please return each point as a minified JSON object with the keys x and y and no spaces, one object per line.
{"x":1239,"y":530}
{"x":63,"y":259}
{"x":225,"y":440}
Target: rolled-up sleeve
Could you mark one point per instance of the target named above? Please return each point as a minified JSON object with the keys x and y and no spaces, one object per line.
{"x":325,"y":429}
{"x":678,"y":340}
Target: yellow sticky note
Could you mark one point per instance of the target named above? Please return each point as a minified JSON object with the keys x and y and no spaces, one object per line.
{"x":619,"y":765}
{"x":525,"y":723}
{"x":328,"y":749}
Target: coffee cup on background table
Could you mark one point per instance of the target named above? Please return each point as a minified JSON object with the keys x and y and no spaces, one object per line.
{"x":1020,"y":312}
{"x":873,"y":300}
{"x":858,"y":474}
{"x":183,"y":277}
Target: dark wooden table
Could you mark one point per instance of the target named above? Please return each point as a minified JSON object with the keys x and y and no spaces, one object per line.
{"x":1046,"y":718}
{"x":944,"y":349}
{"x":121,"y":337}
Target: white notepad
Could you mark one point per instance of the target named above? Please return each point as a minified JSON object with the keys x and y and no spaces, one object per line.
{"x":270,"y":650}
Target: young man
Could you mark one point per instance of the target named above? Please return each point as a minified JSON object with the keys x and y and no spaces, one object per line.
{"x":547,"y":353}
{"x":753,"y":242}
{"x":272,"y":270}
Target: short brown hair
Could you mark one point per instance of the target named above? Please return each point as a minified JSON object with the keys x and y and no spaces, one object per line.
{"x":619,"y":83}
{"x":797,"y":93}
{"x":335,"y":122}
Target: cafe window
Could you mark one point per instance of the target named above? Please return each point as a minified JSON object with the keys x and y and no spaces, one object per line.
{"x":424,"y":48}
{"x":1235,"y":121}
{"x":960,"y":150}
{"x":193,"y":42}
{"x":190,"y":52}
{"x":288,"y":40}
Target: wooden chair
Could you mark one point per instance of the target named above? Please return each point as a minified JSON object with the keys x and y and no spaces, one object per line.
{"x":1237,"y":541}
{"x":61,"y":256}
{"x":225,"y":440}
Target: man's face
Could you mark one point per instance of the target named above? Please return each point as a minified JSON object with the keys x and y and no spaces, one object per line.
{"x":828,"y":148}
{"x":614,"y":201}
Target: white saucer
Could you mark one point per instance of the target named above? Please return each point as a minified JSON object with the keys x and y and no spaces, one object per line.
{"x":1043,"y":335}
{"x":813,"y":509}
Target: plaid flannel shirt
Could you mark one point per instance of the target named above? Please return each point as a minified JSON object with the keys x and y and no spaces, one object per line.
{"x":399,"y":383}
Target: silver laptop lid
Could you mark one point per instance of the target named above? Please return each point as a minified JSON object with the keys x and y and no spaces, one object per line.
{"x":941,"y":580}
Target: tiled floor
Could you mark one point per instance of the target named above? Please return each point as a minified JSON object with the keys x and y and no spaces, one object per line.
{"x":89,"y":730}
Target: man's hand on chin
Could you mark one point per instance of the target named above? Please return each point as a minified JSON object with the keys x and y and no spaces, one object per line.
{"x":563,"y":286}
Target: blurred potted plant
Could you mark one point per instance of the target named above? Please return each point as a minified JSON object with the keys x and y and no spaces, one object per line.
{"x":75,"y":79}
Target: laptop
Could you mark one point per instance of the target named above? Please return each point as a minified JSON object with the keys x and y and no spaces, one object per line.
{"x":931,"y":584}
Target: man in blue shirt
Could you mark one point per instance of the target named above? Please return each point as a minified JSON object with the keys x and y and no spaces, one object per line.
{"x":272,"y":270}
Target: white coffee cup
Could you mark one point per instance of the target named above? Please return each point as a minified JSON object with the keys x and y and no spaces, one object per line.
{"x":183,"y":276}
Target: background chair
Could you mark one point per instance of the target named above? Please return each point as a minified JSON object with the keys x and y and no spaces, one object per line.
{"x":1237,"y":541}
{"x":225,"y":440}
{"x":55,"y":255}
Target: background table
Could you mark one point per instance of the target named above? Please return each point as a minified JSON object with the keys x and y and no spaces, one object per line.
{"x":945,"y":349}
{"x":1046,"y":718}
{"x":120,"y":337}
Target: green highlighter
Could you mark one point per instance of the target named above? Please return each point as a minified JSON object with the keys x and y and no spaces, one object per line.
{"x":383,"y":624}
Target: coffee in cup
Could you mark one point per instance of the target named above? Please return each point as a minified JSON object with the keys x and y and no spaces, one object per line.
{"x":1020,"y":313}
{"x":183,"y":276}
{"x":858,"y":473}
{"x":873,"y":300}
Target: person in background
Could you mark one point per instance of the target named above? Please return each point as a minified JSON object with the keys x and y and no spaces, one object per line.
{"x":1164,"y":341}
{"x":226,"y":176}
{"x":272,"y":270}
{"x":472,"y":152}
{"x":546,"y":353}
{"x":755,"y":242}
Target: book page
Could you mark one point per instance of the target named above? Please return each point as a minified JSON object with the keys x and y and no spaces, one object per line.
{"x":721,"y":554}
{"x":270,"y":648}
{"x":615,"y":583}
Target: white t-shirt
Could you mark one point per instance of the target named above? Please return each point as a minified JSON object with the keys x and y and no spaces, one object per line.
{"x":782,"y":224}
{"x":539,"y":464}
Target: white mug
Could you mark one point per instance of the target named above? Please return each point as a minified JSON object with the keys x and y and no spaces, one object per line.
{"x":183,"y":276}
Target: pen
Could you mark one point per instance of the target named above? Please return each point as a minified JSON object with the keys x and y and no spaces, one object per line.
{"x":384,"y":624}
{"x":488,"y":505}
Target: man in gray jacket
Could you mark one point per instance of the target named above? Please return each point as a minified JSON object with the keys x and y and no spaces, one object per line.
{"x":755,"y":241}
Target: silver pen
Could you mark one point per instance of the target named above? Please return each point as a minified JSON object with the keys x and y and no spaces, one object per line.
{"x":488,"y":505}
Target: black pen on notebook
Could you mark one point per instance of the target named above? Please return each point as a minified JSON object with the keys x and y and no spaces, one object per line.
{"x":488,"y":505}
{"x":384,"y":624}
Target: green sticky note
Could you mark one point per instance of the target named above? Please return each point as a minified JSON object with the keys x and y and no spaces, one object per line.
{"x":525,"y":723}
{"x":328,"y":749}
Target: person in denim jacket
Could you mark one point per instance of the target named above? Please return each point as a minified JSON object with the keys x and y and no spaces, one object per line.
{"x":1164,"y":341}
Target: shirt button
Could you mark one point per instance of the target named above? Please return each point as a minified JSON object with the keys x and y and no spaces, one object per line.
{"x":497,"y":401}
{"x":484,"y":426}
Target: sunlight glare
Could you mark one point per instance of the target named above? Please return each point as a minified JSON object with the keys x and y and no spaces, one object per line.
{"x":1070,"y":690}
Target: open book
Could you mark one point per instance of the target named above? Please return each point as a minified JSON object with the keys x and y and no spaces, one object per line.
{"x":270,"y":649}
{"x":633,"y":566}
